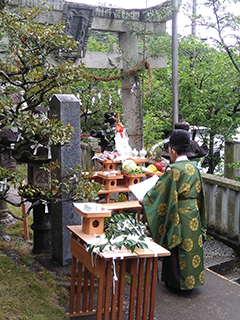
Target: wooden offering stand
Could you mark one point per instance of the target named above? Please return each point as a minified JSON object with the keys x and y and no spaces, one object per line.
{"x":119,"y":182}
{"x":109,"y":165}
{"x":93,"y":221}
{"x":98,"y":281}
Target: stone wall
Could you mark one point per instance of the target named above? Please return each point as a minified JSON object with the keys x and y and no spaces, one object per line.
{"x":87,"y":152}
{"x":223,"y":210}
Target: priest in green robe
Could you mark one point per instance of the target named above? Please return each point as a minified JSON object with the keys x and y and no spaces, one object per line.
{"x":175,"y":209}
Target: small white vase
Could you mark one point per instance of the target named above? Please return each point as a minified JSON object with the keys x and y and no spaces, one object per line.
{"x":134,"y":153}
{"x":142,"y":153}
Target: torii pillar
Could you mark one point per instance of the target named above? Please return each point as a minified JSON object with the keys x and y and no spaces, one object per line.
{"x":131,"y":93}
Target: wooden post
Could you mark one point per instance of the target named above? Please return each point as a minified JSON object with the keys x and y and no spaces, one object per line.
{"x":25,"y":222}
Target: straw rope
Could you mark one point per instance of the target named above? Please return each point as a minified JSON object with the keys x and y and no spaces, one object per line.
{"x":130,"y":73}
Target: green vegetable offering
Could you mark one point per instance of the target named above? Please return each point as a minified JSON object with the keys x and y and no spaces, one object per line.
{"x":137,"y":170}
{"x":130,"y":167}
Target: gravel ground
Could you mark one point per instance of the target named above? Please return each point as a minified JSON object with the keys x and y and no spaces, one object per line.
{"x":216,"y":252}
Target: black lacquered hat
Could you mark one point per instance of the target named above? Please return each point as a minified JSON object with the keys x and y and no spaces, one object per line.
{"x":193,"y":149}
{"x":179,"y":138}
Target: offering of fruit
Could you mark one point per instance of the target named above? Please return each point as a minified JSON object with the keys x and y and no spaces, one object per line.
{"x":153,"y":168}
{"x":158,"y":165}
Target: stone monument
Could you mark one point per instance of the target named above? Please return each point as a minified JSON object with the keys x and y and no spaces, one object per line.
{"x":67,"y":109}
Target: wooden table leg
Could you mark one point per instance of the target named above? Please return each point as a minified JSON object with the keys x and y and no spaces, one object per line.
{"x":85,"y":290}
{"x":121,"y":288}
{"x":72,"y":290}
{"x":139,"y":289}
{"x":91,"y":292}
{"x":146,"y":288}
{"x":107,"y":198}
{"x":101,"y":282}
{"x":153,"y":288}
{"x":139,"y":214}
{"x":107,"y":290}
{"x":79,"y":287}
{"x":132,"y":288}
{"x":114,"y":294}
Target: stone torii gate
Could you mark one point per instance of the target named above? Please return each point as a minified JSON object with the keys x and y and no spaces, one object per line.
{"x":114,"y":20}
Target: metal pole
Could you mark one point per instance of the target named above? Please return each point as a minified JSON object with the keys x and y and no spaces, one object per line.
{"x":175,"y":62}
{"x":194,"y":11}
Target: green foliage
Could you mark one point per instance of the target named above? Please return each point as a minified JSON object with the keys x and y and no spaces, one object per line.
{"x":102,"y":41}
{"x":234,"y":166}
{"x":155,"y":155}
{"x":96,"y":97}
{"x":31,"y":70}
{"x":29,"y":61}
{"x":121,"y":198}
{"x":121,"y":231}
{"x":74,"y":185}
{"x":154,"y":127}
{"x":208,"y":91}
{"x":84,"y":137}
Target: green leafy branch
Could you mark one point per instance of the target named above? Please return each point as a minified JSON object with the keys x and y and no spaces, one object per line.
{"x":121,"y":231}
{"x":74,"y":185}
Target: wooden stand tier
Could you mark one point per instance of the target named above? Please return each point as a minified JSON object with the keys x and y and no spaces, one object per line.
{"x":132,"y":178}
{"x":159,"y":174}
{"x":110,"y":182}
{"x":109,"y":165}
{"x":118,"y":206}
{"x":118,"y":183}
{"x":118,"y":189}
{"x":97,"y":290}
{"x":92,"y":222}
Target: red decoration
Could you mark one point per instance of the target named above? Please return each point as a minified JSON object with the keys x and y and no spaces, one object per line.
{"x":120,"y":128}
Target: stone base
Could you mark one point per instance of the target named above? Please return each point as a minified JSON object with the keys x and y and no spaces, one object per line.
{"x":7,"y":220}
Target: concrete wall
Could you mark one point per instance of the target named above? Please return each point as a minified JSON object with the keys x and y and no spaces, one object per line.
{"x":223,"y":209}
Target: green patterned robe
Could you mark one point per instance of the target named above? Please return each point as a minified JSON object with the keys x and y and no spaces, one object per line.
{"x":176,"y":212}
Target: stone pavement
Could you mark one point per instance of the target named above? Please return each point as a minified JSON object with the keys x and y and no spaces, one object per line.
{"x":217,"y":299}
